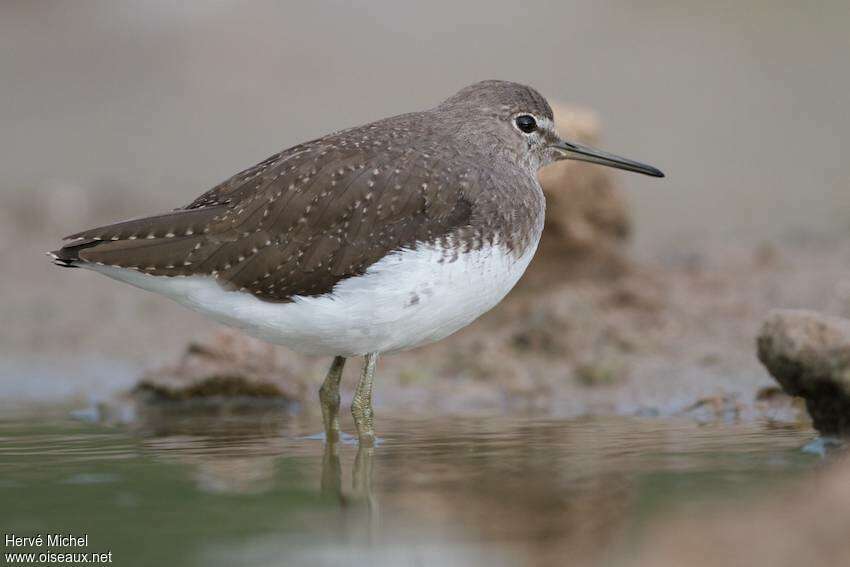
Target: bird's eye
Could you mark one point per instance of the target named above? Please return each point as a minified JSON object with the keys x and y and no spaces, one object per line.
{"x":526,"y":123}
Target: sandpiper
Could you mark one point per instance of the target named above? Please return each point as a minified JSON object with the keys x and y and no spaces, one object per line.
{"x":370,"y":240}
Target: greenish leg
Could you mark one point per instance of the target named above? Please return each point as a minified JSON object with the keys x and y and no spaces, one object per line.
{"x":329,"y":396}
{"x":361,"y":406}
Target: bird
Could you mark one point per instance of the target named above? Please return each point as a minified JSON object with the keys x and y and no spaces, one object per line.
{"x":368,"y":241}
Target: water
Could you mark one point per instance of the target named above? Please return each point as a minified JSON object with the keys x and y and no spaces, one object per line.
{"x":231,"y":488}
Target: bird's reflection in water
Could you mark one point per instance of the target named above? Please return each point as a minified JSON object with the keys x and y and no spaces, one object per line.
{"x":362,"y":494}
{"x":241,"y":450}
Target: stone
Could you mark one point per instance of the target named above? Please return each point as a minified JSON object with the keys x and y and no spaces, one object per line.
{"x":808,"y":354}
{"x":230,"y":366}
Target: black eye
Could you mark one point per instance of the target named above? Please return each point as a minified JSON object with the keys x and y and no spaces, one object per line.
{"x":526,"y":123}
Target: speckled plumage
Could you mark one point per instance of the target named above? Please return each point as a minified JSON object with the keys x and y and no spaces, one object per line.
{"x":301,"y":221}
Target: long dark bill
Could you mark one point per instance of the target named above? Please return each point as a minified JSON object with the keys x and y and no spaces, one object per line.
{"x":570,"y":150}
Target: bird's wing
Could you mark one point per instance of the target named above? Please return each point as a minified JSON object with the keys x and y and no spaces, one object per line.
{"x":296,"y":223}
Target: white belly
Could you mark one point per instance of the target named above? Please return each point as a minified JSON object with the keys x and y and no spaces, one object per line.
{"x":409,"y":298}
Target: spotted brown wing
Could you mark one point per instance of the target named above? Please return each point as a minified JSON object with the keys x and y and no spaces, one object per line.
{"x":299,"y":222}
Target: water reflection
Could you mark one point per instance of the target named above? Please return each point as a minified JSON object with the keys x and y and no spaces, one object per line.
{"x":361,"y":480}
{"x":225,"y":487}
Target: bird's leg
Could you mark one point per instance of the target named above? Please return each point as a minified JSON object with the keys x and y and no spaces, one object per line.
{"x":361,"y":406}
{"x":329,"y":397}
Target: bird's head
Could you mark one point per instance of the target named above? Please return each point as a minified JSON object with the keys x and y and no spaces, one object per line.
{"x":505,"y":117}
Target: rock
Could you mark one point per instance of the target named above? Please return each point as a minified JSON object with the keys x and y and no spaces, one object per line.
{"x":228,"y":367}
{"x":808,"y":353}
{"x":212,"y":386}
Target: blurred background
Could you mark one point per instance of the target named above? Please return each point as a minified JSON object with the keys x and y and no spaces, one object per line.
{"x":113,"y":109}
{"x":741,"y":103}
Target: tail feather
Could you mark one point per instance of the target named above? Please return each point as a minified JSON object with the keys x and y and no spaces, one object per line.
{"x":69,"y":255}
{"x":157,"y":226}
{"x":156,"y":244}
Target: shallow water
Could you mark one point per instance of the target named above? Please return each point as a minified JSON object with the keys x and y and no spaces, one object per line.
{"x":231,"y":488}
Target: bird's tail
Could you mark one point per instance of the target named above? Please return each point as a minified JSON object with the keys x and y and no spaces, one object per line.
{"x":146,"y":242}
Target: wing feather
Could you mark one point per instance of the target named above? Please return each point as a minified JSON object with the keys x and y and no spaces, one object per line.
{"x":300,"y":221}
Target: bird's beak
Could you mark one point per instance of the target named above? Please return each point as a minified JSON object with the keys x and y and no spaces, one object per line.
{"x":571,"y":150}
